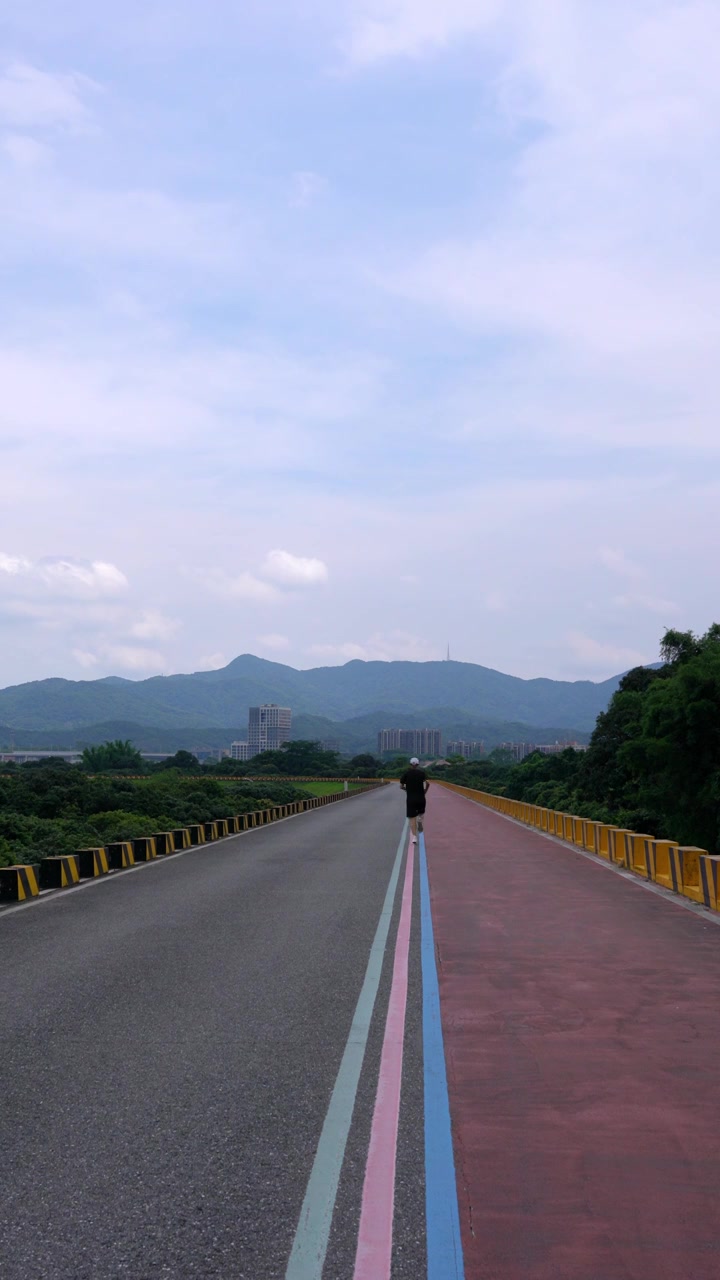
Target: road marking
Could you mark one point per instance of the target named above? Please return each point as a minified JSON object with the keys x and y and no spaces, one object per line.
{"x":311,"y":1236}
{"x":373,"y":1260}
{"x":444,"y":1245}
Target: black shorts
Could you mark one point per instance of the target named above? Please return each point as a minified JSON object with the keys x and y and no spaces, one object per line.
{"x":415,"y":806}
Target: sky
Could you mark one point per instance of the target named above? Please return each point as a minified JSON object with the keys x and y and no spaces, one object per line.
{"x":354,"y":329}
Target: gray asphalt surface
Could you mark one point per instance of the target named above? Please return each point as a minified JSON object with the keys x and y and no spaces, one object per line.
{"x":169,"y":1040}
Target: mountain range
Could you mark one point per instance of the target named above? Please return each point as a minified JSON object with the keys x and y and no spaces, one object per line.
{"x":348,"y":703}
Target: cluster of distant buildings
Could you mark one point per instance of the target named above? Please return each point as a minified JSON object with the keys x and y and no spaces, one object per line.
{"x":519,"y":750}
{"x":270,"y":727}
{"x":426,"y":742}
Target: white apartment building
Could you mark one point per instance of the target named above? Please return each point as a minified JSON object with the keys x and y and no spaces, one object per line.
{"x":269,"y":726}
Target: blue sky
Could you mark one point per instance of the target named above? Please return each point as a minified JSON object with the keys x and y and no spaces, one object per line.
{"x":345,"y":333}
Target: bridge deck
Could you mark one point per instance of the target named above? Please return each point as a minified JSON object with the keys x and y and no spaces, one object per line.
{"x":582,"y":1030}
{"x":197,"y":1056}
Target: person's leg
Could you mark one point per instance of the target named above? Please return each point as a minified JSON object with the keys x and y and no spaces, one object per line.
{"x":413,"y":830}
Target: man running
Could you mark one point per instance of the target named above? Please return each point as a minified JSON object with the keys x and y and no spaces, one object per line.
{"x":415,"y":785}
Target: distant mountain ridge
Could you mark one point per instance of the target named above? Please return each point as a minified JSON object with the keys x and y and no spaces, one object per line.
{"x":220,"y":699}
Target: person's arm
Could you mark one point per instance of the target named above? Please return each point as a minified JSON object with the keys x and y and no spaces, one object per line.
{"x":427,"y":785}
{"x":403,"y":778}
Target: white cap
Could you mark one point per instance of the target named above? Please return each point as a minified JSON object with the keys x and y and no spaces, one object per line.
{"x":414,"y":760}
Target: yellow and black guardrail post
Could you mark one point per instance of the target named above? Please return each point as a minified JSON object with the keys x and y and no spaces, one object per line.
{"x":93,"y":863}
{"x":60,"y":871}
{"x":121,"y":854}
{"x":164,"y":843}
{"x":18,"y":883}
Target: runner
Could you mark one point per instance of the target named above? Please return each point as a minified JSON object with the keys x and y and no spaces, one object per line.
{"x":415,"y":784}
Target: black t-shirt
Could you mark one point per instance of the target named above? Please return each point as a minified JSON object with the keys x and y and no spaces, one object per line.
{"x":413,"y":780}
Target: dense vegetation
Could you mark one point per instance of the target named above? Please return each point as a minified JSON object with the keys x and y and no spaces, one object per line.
{"x":53,"y":808}
{"x":653,"y":763}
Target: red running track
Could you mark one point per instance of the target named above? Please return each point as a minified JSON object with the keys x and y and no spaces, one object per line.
{"x":581,"y":1016}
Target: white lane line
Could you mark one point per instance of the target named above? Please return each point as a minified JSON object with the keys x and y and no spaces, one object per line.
{"x":307,"y":1257}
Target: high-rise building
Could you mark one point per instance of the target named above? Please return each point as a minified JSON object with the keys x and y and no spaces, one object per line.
{"x":469,"y":749}
{"x":518,"y":750}
{"x":414,"y":742}
{"x":269,"y":726}
{"x":239,"y":751}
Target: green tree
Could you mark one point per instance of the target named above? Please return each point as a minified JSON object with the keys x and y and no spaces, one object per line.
{"x":110,"y":756}
{"x":183,"y":760}
{"x":364,"y":765}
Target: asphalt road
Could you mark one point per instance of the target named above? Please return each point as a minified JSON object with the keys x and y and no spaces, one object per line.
{"x":169,"y":1041}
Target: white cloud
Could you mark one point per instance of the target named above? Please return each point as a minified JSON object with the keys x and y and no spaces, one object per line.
{"x":25,"y":152}
{"x":616,"y":560}
{"x":274,"y":641}
{"x":381,"y":647}
{"x":65,"y":576}
{"x":13,"y":564}
{"x":210,"y":662}
{"x":410,"y":28}
{"x":80,"y":577}
{"x":85,"y":658}
{"x":596,"y":248}
{"x":241,"y":586}
{"x":293,"y":571}
{"x":134,"y":658}
{"x":153,"y":625}
{"x":30,"y":97}
{"x":597,"y":656}
{"x":652,"y":604}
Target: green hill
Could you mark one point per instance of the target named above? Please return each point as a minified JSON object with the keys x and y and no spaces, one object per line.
{"x":398,"y":692}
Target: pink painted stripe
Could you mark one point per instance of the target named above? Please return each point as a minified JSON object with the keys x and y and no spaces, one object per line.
{"x":373,"y":1259}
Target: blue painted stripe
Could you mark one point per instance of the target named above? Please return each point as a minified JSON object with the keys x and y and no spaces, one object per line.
{"x":307,"y":1258}
{"x":444,"y":1245}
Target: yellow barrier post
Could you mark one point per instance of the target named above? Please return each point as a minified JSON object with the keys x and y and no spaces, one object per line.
{"x":667,"y":865}
{"x":19,"y":883}
{"x":689,"y":857}
{"x":59,"y":871}
{"x":603,"y":839}
{"x":590,"y":835}
{"x":93,"y":862}
{"x":619,"y":848}
{"x":121,"y":854}
{"x":642,"y":855}
{"x":710,"y":880}
{"x":164,"y":844}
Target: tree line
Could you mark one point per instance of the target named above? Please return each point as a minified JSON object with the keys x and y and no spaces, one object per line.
{"x":653,"y":762}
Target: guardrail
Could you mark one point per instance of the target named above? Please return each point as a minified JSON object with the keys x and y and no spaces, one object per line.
{"x":20,"y":883}
{"x":684,"y":869}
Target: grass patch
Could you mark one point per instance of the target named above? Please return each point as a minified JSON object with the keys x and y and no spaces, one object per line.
{"x":321,"y":788}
